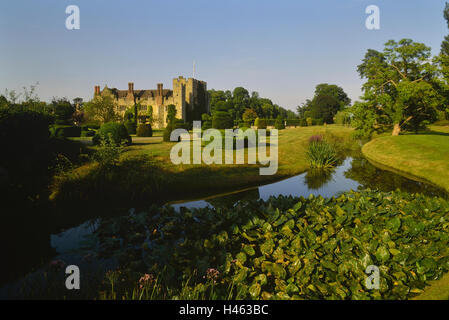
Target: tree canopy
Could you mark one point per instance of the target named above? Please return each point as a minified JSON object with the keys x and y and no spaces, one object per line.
{"x":400,"y":88}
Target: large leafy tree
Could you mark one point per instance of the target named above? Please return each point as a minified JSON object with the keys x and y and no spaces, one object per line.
{"x":325,"y":107}
{"x":400,"y":88}
{"x":445,"y":43}
{"x":325,"y":89}
{"x":101,"y":108}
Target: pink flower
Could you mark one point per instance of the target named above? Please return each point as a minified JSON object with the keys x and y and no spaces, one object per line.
{"x":146,"y":280}
{"x":212,"y":274}
{"x":315,"y":138}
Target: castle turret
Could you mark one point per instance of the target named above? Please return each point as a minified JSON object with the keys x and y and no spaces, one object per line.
{"x":130,"y":94}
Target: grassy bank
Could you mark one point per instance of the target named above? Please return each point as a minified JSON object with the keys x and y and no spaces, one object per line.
{"x":190,"y":181}
{"x":423,"y":156}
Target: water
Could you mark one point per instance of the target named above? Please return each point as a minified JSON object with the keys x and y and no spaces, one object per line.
{"x":352,"y":174}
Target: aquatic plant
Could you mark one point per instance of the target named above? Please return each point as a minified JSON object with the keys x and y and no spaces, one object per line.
{"x":320,"y":153}
{"x":287,"y":248}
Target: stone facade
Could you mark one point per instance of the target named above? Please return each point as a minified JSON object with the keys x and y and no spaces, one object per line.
{"x":189,"y":96}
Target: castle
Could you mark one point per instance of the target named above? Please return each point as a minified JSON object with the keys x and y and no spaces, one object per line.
{"x":189,"y":96}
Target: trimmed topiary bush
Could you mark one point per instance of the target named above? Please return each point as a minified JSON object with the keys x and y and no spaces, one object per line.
{"x":130,"y":126}
{"x":144,"y":130}
{"x":87,"y":133}
{"x":173,"y":125}
{"x":279,"y":124}
{"x":206,"y":125}
{"x":260,"y":123}
{"x":62,"y":131}
{"x":116,"y":131}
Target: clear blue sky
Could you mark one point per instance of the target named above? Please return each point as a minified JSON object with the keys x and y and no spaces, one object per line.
{"x":281,"y":49}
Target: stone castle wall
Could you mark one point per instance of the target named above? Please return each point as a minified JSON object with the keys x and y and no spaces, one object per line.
{"x":186,"y":96}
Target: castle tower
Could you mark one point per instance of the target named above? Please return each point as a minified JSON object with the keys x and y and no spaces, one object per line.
{"x":179,"y":94}
{"x":130,"y":95}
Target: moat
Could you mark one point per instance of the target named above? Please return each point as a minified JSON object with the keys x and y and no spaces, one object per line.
{"x":354,"y":173}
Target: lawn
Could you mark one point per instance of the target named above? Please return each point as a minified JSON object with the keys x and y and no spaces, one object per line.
{"x":423,"y":156}
{"x":190,"y":181}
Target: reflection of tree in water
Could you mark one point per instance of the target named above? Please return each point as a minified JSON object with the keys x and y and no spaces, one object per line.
{"x":369,"y":176}
{"x":316,"y":178}
{"x":231,"y":199}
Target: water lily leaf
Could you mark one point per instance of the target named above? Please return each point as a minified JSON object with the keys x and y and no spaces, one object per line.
{"x":279,"y":271}
{"x":394,"y":224}
{"x":241,"y":257}
{"x":382,"y":254}
{"x":292,"y":288}
{"x":297,"y":206}
{"x":249,"y":250}
{"x":261,"y":278}
{"x":267,"y":247}
{"x":254,"y":290}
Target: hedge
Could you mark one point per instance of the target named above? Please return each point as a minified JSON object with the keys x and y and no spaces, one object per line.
{"x":117,"y":131}
{"x":63,"y":131}
{"x":144,"y":130}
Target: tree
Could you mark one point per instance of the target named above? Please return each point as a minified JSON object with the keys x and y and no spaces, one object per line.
{"x":78,"y":103}
{"x":171,"y":113}
{"x":334,"y":91}
{"x":63,"y":110}
{"x":400,"y":88}
{"x":101,"y":108}
{"x":305,"y":106}
{"x":325,"y":107}
{"x":445,"y":43}
{"x":249,"y":115}
{"x":443,"y":62}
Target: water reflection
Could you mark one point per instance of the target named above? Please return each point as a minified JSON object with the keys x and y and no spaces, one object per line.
{"x":352,"y":174}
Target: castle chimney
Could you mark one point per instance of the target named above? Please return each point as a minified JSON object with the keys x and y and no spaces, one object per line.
{"x":159,"y":89}
{"x":97,"y":90}
{"x":130,"y":87}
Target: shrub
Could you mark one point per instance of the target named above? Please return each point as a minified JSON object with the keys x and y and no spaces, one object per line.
{"x":318,"y":122}
{"x":342,"y":118}
{"x":87,"y":133}
{"x":206,"y":125}
{"x":61,"y":131}
{"x":222,"y":120}
{"x":173,"y":125}
{"x":63,"y":111}
{"x":320,"y":154}
{"x":113,"y":130}
{"x":260,"y":123}
{"x":144,"y":130}
{"x":293,"y":122}
{"x":130,"y":126}
{"x":279,"y":124}
{"x":302,"y":122}
{"x":25,"y":149}
{"x":309,"y":121}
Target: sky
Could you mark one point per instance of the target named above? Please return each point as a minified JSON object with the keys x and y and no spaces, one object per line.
{"x":282,"y":49}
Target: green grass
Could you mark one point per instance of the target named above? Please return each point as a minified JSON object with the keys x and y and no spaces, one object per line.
{"x":190,"y":181}
{"x":422,"y":156}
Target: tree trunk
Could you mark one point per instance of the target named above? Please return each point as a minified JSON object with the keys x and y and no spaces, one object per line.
{"x":396,"y":129}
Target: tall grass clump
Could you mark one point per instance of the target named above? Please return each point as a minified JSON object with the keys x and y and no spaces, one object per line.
{"x":320,"y":153}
